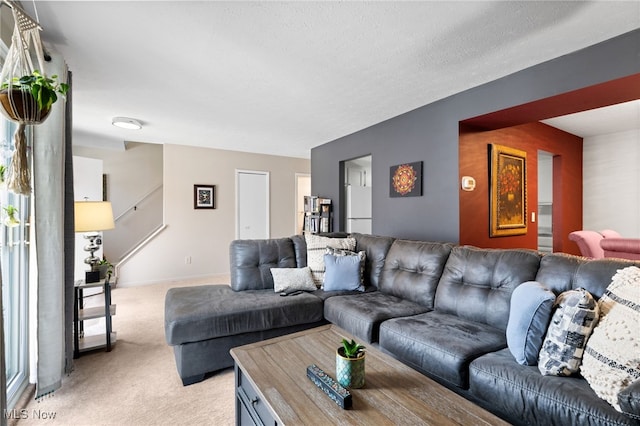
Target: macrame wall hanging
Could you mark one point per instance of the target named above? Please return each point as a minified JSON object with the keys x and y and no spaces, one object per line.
{"x":26,"y":93}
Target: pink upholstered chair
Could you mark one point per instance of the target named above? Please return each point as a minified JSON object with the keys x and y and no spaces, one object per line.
{"x":589,"y":243}
{"x":621,"y":248}
{"x":610,"y":233}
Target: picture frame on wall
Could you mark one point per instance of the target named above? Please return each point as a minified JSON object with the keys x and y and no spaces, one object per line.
{"x":508,"y":198}
{"x":204,"y":196}
{"x":405,"y":180}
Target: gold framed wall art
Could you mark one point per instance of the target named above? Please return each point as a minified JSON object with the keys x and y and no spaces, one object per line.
{"x":508,"y":191}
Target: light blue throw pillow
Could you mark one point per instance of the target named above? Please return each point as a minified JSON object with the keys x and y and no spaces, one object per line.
{"x":529,"y":316}
{"x":342,"y":273}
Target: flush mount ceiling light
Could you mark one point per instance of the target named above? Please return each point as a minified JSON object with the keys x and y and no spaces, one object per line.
{"x":126,"y":123}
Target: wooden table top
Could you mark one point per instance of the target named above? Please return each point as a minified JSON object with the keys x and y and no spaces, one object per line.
{"x":393,"y":393}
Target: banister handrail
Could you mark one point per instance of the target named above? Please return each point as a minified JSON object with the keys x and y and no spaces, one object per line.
{"x":134,"y":205}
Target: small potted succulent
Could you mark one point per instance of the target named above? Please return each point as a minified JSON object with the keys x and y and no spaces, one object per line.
{"x":28,"y":99}
{"x":350,"y":364}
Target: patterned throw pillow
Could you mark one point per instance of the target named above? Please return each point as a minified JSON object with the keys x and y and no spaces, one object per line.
{"x":612,"y":356}
{"x":316,"y":246}
{"x":287,"y":280}
{"x":576,"y":313}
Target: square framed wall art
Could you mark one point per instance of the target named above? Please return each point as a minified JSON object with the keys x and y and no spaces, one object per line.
{"x":405,"y":180}
{"x":508,"y":198}
{"x":204,"y":196}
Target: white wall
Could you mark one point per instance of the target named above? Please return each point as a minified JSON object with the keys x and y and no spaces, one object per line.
{"x":131,"y":174}
{"x":611,"y":179}
{"x":204,"y":235}
{"x":87,"y":185}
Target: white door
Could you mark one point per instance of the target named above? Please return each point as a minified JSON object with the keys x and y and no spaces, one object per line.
{"x":252,"y":204}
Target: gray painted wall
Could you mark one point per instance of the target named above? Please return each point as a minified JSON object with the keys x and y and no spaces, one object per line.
{"x":430,"y":134}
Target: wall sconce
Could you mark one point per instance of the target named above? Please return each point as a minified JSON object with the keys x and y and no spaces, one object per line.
{"x":468,"y":183}
{"x":92,"y":217}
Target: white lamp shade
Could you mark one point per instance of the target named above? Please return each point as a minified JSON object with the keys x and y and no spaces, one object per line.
{"x":92,"y":216}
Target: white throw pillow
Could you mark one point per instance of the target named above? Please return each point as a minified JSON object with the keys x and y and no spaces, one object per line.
{"x":287,"y":280}
{"x":611,"y":360}
{"x":316,"y":246}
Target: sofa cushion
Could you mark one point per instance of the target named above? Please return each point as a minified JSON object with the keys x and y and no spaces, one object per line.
{"x":362,"y":314}
{"x":376,"y":249}
{"x":612,"y":356}
{"x":287,"y":280}
{"x":251,"y":262}
{"x":204,"y":312}
{"x":343,"y":272}
{"x":300,"y":250}
{"x":562,"y":272}
{"x":316,"y":245}
{"x":529,"y":316}
{"x":440,"y":345}
{"x":526,"y":397}
{"x":575,"y":315}
{"x":477,"y":283}
{"x":412,"y":270}
{"x":629,"y":400}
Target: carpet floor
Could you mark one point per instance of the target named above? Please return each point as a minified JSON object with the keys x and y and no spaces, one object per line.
{"x":137,"y":382}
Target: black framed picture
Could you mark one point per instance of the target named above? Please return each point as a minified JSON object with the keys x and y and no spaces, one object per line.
{"x":204,"y":196}
{"x":405,"y":180}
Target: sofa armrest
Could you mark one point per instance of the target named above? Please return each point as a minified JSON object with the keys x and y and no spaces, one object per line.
{"x":623,"y":248}
{"x":629,"y":400}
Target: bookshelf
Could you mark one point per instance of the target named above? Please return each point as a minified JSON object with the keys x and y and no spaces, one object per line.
{"x":317,"y":215}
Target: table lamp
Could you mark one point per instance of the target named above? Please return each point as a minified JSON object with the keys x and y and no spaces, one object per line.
{"x":92,"y":217}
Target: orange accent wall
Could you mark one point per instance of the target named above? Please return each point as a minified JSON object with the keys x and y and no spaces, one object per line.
{"x":474,"y":160}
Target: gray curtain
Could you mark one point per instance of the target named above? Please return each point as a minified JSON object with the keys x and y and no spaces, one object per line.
{"x":3,"y":374}
{"x":49,"y":227}
{"x":69,"y":231}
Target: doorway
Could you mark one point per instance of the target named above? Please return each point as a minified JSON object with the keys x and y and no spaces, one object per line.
{"x":252,"y":204}
{"x":358,"y":195}
{"x":545,"y":201}
{"x":303,"y":187}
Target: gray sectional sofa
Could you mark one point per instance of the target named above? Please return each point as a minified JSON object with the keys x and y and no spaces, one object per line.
{"x":438,"y":307}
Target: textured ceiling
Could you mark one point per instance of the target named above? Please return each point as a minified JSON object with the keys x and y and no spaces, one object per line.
{"x":283,"y":77}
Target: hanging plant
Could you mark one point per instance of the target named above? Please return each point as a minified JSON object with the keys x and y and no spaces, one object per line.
{"x":28,"y":99}
{"x":3,"y":171}
{"x":11,"y":220}
{"x":26,"y":93}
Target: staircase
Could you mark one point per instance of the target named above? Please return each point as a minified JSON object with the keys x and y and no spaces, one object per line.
{"x":135,"y":227}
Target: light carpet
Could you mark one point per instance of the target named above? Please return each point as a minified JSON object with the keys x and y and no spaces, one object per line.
{"x":137,"y":382}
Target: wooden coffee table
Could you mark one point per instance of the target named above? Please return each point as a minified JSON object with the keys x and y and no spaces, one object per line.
{"x":272,"y":387}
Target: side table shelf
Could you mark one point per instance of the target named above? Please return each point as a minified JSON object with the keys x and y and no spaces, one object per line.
{"x":82,"y":342}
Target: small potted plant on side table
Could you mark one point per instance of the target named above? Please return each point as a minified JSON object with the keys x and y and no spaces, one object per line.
{"x":105,"y":267}
{"x":350,"y":364}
